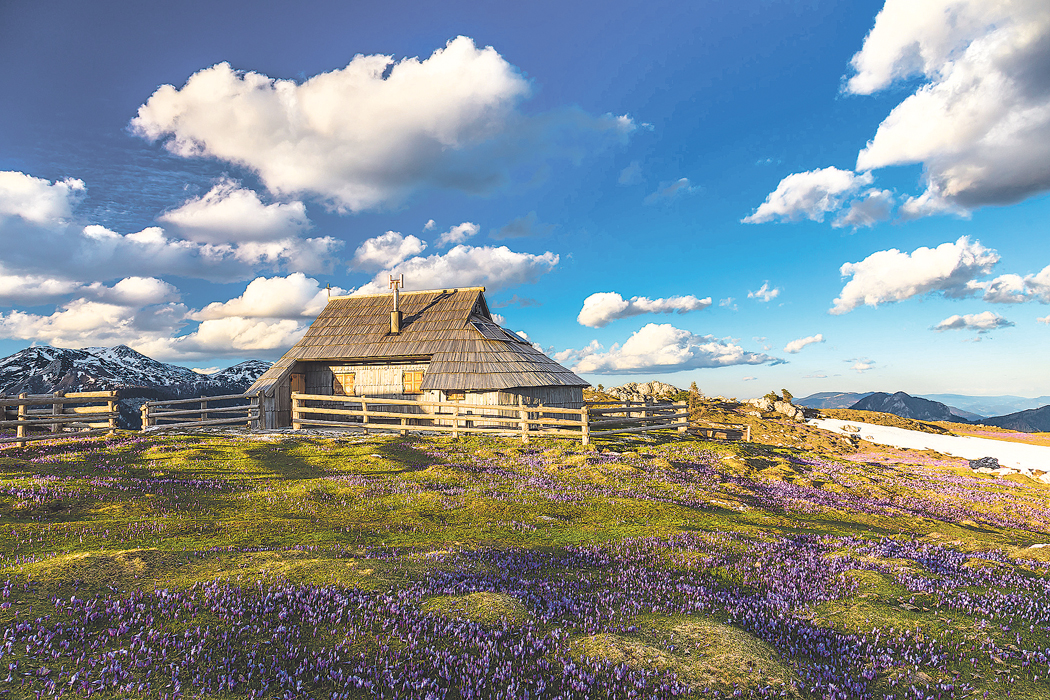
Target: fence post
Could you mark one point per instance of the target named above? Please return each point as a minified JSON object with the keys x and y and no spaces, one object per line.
{"x":20,"y":431}
{"x":524,"y":415}
{"x":56,"y":410}
{"x":747,"y":434}
{"x":111,"y":407}
{"x":364,"y":414}
{"x":585,"y":428}
{"x":145,"y":415}
{"x":256,"y":403}
{"x":295,"y":413}
{"x":455,"y":422}
{"x":681,"y":405}
{"x":204,"y":409}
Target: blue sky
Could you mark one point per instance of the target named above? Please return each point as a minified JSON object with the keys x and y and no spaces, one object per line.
{"x":813,"y":195}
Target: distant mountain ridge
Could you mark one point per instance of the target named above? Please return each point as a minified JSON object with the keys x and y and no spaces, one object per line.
{"x":1032,"y":420}
{"x":831,"y":399}
{"x":44,"y":369}
{"x":989,"y":405}
{"x":907,"y":406}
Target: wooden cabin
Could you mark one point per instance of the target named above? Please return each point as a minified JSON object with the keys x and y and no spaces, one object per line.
{"x":435,"y":345}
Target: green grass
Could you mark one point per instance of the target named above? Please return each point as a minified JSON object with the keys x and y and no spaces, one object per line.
{"x":171,"y":512}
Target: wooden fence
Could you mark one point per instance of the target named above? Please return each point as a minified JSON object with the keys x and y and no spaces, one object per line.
{"x":58,"y":415}
{"x":724,"y":432}
{"x":398,"y":415}
{"x":177,"y":414}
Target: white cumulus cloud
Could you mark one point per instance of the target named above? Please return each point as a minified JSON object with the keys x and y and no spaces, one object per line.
{"x":980,"y":123}
{"x":764,"y":293}
{"x":36,"y":200}
{"x":233,"y":336}
{"x":602,"y":308}
{"x":660,"y":348}
{"x":494,"y":268}
{"x":862,"y":365}
{"x":458,"y":234}
{"x":386,"y":250}
{"x":796,"y":346}
{"x":84,"y":322}
{"x":34,"y":289}
{"x":808,"y":195}
{"x":369,"y":134}
{"x":229,"y":213}
{"x":1014,"y":289}
{"x":982,"y":322}
{"x":864,"y":212}
{"x":292,"y":297}
{"x":49,"y":219}
{"x":890,"y":275}
{"x":145,"y":314}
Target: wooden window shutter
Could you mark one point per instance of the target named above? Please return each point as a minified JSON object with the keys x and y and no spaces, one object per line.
{"x":297,"y":383}
{"x":343,"y":383}
{"x":453,"y":395}
{"x":413,"y":380}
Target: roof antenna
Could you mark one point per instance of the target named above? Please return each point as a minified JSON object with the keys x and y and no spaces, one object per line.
{"x":395,"y":316}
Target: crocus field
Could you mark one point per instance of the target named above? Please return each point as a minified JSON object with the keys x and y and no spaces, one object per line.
{"x":335,"y":567}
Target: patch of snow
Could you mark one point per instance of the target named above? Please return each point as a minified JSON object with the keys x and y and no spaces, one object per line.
{"x":1012,"y":454}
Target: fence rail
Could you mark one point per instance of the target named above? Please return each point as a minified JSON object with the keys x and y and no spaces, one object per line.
{"x":373,"y":414}
{"x":59,"y":414}
{"x":724,"y":432}
{"x":174,"y":414}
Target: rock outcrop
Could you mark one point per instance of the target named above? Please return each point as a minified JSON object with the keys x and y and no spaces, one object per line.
{"x":644,"y":391}
{"x":799,"y":413}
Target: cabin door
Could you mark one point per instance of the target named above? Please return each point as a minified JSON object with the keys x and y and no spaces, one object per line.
{"x":297,"y":383}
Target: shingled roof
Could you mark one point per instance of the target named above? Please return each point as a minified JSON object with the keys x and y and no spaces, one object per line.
{"x":452,"y":327}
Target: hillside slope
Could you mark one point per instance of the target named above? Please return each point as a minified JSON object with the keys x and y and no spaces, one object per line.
{"x":304,"y":566}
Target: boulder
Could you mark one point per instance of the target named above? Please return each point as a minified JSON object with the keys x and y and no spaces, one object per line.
{"x":762,"y":403}
{"x":989,"y":462}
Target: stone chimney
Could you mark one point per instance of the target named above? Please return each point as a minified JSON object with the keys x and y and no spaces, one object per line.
{"x":395,"y":316}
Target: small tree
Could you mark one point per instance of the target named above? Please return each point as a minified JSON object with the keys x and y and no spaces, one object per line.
{"x":787,"y":395}
{"x":694,"y":396}
{"x":601,"y":388}
{"x":772,"y":396}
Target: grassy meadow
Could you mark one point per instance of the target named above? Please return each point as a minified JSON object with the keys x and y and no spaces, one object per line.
{"x":801,"y":565}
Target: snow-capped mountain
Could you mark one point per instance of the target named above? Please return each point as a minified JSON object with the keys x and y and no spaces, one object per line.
{"x":242,"y":373}
{"x":44,"y":369}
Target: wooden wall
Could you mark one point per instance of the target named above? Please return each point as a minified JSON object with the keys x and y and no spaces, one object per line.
{"x":381,"y":381}
{"x":386,"y":381}
{"x":276,"y":410}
